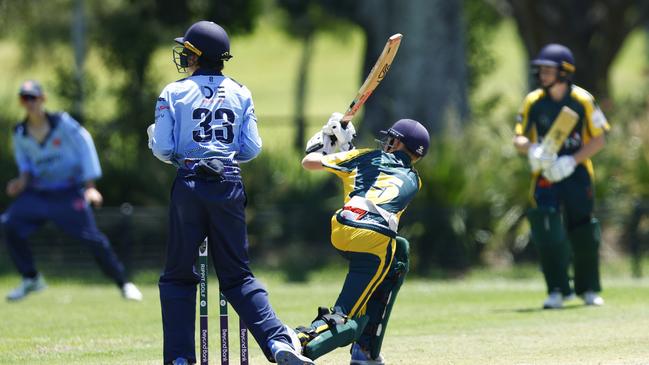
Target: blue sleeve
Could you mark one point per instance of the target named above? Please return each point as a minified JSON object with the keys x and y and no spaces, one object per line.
{"x":250,"y":139}
{"x":90,"y":167}
{"x":23,"y":162}
{"x":90,"y":161}
{"x":162,"y":144}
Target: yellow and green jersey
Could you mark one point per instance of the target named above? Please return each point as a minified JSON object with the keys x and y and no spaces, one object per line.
{"x":539,"y":111}
{"x":377,"y":185}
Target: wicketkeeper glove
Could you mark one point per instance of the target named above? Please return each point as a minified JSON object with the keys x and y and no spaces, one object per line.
{"x":149,"y":131}
{"x":539,"y":159}
{"x":213,"y":169}
{"x":560,"y":169}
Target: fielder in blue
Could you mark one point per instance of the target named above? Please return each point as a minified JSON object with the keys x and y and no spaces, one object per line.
{"x":205,"y":125}
{"x":58,"y":165}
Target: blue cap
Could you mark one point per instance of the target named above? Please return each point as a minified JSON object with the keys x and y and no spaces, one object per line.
{"x":412,"y":134}
{"x":31,"y":88}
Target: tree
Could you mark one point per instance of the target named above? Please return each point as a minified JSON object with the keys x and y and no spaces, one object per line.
{"x":593,"y":30}
{"x":428,"y":79}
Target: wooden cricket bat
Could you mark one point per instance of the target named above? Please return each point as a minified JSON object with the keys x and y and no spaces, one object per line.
{"x":561,"y":128}
{"x":376,"y":75}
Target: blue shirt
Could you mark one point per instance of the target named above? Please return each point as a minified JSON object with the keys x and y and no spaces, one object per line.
{"x":206,"y":115}
{"x":65,"y":158}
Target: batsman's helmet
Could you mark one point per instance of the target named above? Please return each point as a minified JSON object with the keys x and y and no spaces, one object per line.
{"x":556,"y":55}
{"x":205,"y":39}
{"x":412,"y":134}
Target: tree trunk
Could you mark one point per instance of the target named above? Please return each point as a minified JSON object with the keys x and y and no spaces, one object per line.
{"x":79,"y":42}
{"x":594,"y":31}
{"x":300,"y":97}
{"x":427,"y":80}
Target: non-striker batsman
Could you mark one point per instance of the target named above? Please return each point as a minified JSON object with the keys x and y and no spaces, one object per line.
{"x":562,"y":193}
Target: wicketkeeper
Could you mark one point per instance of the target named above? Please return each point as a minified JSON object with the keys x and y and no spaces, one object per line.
{"x":378,"y":185}
{"x":561,"y":216}
{"x":206,"y":126}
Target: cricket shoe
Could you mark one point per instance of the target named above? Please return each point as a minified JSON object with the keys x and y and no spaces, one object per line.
{"x":285,"y":354}
{"x":295,"y":340}
{"x":363,"y":357}
{"x":131,"y":292}
{"x":592,"y":298}
{"x":28,"y":285}
{"x":553,"y":301}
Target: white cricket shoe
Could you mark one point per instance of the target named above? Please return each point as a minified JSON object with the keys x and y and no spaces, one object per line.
{"x":592,"y":298}
{"x":28,"y":285}
{"x":553,"y":301}
{"x":295,"y":341}
{"x":285,"y":354}
{"x":131,"y":292}
{"x":362,"y":357}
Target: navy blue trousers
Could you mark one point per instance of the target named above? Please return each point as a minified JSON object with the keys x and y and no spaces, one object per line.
{"x":68,"y":210}
{"x":199,"y":209}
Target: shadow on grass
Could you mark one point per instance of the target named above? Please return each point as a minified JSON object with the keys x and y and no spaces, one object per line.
{"x":540,"y":309}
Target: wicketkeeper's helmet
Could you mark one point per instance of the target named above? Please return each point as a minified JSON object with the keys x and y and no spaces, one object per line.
{"x":412,"y":134}
{"x":556,"y":55}
{"x":205,"y":39}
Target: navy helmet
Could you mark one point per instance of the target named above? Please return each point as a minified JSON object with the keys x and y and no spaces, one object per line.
{"x":412,"y":134}
{"x":205,"y":39}
{"x":556,"y":55}
{"x":31,"y":88}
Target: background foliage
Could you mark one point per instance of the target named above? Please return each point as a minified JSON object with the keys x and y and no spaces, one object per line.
{"x":303,"y":60}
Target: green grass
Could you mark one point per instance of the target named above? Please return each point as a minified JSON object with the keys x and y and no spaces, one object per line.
{"x":486,"y":318}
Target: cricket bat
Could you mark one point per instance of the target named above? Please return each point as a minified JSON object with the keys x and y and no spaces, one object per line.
{"x":561,"y":128}
{"x":376,"y":75}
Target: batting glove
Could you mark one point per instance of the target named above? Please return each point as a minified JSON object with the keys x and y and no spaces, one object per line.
{"x":563,"y":167}
{"x":539,"y":159}
{"x":343,"y":135}
{"x":321,"y":142}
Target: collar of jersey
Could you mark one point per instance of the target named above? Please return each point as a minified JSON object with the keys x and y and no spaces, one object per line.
{"x":202,"y":71}
{"x":403,"y":156}
{"x":52,"y":120}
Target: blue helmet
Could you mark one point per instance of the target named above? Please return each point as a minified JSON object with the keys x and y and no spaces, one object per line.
{"x":556,"y":55}
{"x":205,"y":39}
{"x":412,"y":134}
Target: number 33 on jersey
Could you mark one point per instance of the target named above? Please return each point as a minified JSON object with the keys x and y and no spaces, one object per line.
{"x":206,"y":115}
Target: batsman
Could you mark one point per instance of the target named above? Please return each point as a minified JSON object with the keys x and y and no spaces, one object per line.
{"x":561,"y":214}
{"x":378,"y":185}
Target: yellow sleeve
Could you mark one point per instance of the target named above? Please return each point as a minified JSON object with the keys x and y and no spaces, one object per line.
{"x":522,"y":119}
{"x":596,"y":123}
{"x":335,"y":162}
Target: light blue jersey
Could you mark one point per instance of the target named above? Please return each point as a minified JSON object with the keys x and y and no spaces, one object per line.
{"x":66,"y":157}
{"x":206,"y":115}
